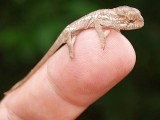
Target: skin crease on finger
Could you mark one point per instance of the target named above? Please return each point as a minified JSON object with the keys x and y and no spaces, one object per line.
{"x":66,"y":87}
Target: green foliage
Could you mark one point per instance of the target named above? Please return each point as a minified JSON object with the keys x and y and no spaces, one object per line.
{"x":28,"y":28}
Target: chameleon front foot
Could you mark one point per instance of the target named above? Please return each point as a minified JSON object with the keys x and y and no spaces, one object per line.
{"x":102,"y":33}
{"x":103,"y":38}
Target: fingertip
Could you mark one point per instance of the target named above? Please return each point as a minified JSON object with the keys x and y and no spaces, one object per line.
{"x":93,"y":70}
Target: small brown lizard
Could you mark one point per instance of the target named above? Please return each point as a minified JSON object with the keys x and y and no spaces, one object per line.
{"x":120,"y":18}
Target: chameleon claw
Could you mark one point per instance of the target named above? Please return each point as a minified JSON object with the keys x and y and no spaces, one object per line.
{"x":103,"y":46}
{"x":71,"y":55}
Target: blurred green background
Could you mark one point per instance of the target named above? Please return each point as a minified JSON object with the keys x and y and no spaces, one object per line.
{"x":28,"y":28}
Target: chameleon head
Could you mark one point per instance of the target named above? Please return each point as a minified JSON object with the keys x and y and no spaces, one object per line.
{"x":128,"y":18}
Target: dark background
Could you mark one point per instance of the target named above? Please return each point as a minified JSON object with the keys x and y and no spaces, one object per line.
{"x":29,"y":27}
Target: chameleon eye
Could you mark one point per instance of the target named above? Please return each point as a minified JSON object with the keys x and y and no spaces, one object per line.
{"x":131,"y":21}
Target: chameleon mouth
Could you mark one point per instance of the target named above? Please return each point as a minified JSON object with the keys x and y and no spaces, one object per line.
{"x":139,"y":24}
{"x":135,"y":25}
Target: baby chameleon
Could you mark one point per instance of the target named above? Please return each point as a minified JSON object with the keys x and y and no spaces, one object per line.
{"x":120,"y":18}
